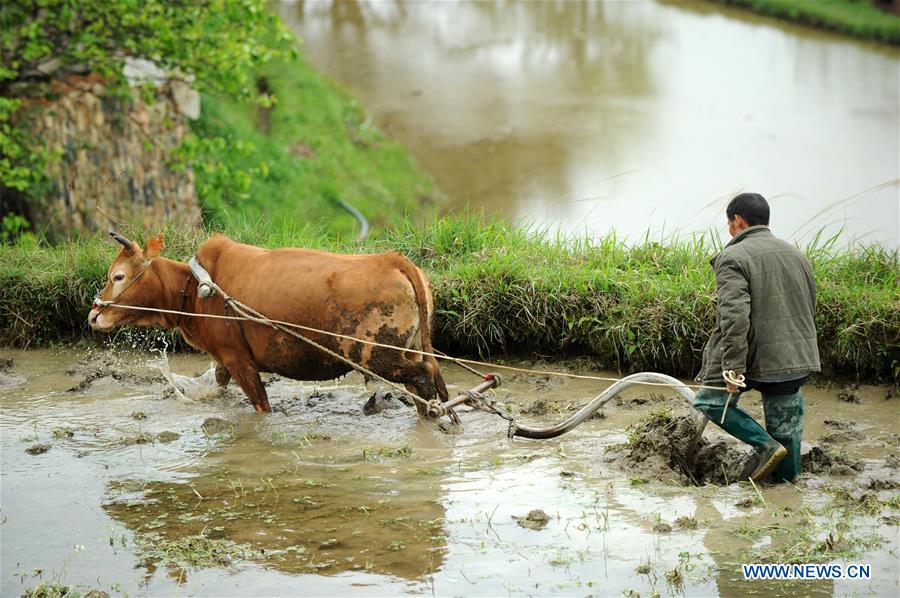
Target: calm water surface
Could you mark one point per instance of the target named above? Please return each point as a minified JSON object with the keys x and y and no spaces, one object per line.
{"x":631,"y":116}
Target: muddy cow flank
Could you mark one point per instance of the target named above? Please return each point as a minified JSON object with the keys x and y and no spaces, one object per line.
{"x":375,"y":297}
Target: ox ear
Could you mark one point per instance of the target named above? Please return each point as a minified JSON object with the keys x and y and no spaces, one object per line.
{"x":154,"y":247}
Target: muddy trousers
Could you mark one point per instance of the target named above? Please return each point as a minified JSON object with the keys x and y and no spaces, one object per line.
{"x":784,"y":424}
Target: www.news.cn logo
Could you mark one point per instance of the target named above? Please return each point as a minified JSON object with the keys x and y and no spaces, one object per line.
{"x":806,"y":571}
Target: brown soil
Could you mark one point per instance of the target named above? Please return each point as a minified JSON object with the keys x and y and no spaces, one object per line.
{"x":536,"y":520}
{"x":381,"y":400}
{"x":882,"y":484}
{"x":848,"y":395}
{"x":95,"y":367}
{"x":841,"y":436}
{"x":216,"y":425}
{"x":634,"y":402}
{"x":538,"y":407}
{"x":817,"y":459}
{"x":37,"y":449}
{"x":166,"y":437}
{"x":662,"y":447}
{"x":537,"y":381}
{"x":662,"y":527}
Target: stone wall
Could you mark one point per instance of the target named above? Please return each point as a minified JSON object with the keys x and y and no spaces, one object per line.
{"x":113,"y":167}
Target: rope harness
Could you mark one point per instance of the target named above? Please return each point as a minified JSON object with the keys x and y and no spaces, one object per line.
{"x":101,"y":304}
{"x":434,"y":408}
{"x":735,"y":380}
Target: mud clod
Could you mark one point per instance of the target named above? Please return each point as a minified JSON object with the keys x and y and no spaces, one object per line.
{"x":815,"y":459}
{"x":839,"y":424}
{"x":49,"y":589}
{"x":661,"y":447}
{"x":536,"y":519}
{"x":634,"y":402}
{"x":747,"y":503}
{"x":841,"y":437}
{"x":94,"y":368}
{"x":38,"y":449}
{"x":380,"y":401}
{"x":317,"y":397}
{"x":538,"y":381}
{"x":848,"y":395}
{"x":841,"y":470}
{"x":662,"y":527}
{"x":139,"y":438}
{"x":538,"y":407}
{"x":882,"y":484}
{"x":166,"y":437}
{"x":216,"y":425}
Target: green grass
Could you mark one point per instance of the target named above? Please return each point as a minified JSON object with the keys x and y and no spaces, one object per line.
{"x":319,"y":147}
{"x":858,"y":18}
{"x":502,"y":289}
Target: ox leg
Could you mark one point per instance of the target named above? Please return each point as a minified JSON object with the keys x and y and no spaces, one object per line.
{"x":247,"y":376}
{"x":222,"y":375}
{"x":418,"y":377}
{"x":420,"y":408}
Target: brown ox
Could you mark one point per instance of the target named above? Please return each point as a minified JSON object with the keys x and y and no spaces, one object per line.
{"x":376,"y":297}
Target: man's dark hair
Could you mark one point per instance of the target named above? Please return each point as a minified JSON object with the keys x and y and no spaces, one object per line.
{"x":753,"y":207}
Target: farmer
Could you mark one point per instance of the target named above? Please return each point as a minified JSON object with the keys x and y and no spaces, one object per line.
{"x":765,"y":331}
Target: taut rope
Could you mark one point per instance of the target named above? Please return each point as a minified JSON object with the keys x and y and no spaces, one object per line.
{"x":458,"y":360}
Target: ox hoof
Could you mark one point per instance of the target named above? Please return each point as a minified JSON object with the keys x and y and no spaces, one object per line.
{"x":449,"y":427}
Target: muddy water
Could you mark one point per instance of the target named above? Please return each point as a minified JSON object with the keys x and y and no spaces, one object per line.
{"x":633,"y":116}
{"x":319,"y":498}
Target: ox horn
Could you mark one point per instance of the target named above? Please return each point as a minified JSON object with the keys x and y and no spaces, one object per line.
{"x":125,"y":242}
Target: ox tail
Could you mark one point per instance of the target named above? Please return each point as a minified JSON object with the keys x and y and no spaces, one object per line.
{"x":423,"y":297}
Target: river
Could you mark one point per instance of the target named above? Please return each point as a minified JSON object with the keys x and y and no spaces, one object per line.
{"x":633,"y":117}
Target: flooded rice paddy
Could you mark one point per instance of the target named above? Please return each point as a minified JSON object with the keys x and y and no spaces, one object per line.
{"x":132,"y":473}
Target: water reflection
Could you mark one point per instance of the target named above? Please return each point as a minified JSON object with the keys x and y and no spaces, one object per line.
{"x":629,"y":116}
{"x":293,"y":515}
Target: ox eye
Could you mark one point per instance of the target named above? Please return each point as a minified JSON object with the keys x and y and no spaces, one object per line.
{"x":118,"y":277}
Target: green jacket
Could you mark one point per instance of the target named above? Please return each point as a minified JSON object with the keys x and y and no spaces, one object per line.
{"x":765,"y":317}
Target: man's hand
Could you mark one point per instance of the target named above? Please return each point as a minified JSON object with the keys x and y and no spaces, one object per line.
{"x":730,"y":378}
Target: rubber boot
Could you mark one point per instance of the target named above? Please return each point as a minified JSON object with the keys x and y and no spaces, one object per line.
{"x":784,"y":421}
{"x":742,"y":426}
{"x":738,"y":422}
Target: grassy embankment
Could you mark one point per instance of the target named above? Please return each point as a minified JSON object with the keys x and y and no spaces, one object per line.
{"x":498,"y":288}
{"x":857,"y":18}
{"x":293,"y":162}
